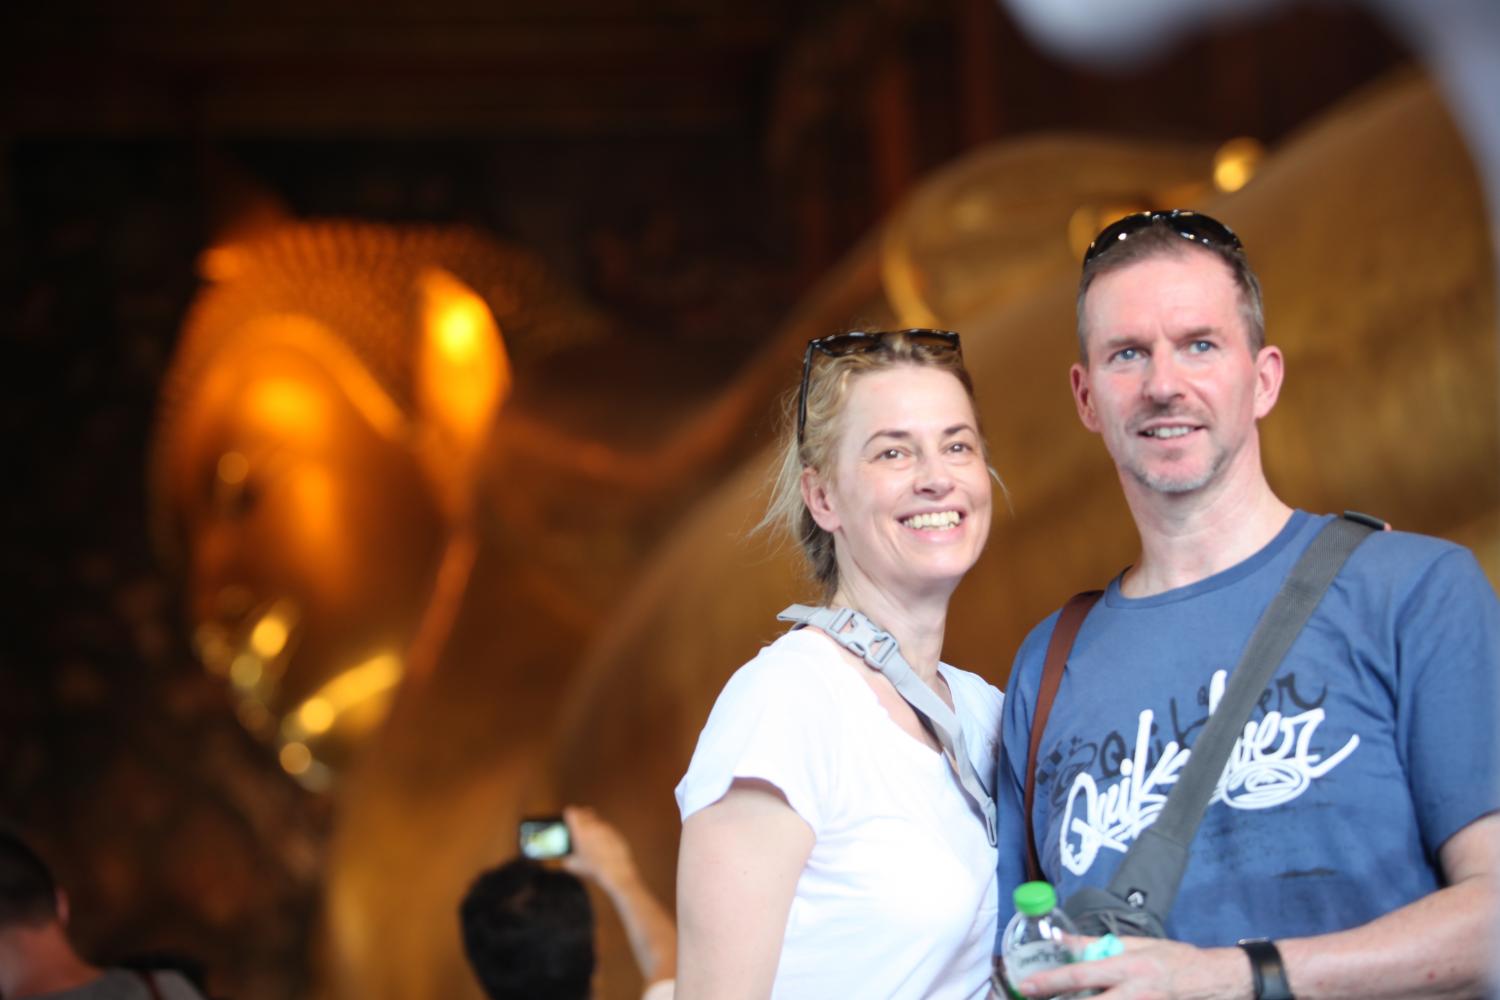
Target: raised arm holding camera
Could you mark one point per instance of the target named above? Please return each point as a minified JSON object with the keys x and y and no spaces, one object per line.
{"x":528,"y":926}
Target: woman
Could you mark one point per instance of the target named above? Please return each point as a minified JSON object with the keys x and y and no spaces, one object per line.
{"x":829,"y":849}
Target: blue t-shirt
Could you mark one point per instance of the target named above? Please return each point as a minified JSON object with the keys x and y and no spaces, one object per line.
{"x":1374,"y":743}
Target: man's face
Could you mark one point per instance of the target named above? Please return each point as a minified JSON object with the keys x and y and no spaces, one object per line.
{"x":1171,"y":384}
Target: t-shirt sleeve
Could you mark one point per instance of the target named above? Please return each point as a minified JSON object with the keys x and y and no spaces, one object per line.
{"x":662,"y":989}
{"x":776,"y":720}
{"x":1448,"y":642}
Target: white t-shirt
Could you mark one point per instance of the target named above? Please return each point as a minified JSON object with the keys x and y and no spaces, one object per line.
{"x":662,"y":989}
{"x":898,"y":897}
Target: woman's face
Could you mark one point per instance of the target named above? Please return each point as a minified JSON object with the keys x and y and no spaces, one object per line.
{"x":908,"y":498}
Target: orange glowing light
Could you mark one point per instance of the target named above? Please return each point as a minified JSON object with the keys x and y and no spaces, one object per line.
{"x":355,"y":700}
{"x":464,"y":372}
{"x":295,"y":758}
{"x":287,"y":405}
{"x":246,"y":670}
{"x":1235,"y":163}
{"x":316,"y":716}
{"x":268,"y":638}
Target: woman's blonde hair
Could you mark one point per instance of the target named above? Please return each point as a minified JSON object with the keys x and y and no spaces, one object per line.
{"x":828,"y":384}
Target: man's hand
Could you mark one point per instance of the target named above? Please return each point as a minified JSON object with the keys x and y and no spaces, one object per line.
{"x":1151,"y":969}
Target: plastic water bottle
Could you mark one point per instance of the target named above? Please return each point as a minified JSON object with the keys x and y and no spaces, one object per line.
{"x":1033,"y":940}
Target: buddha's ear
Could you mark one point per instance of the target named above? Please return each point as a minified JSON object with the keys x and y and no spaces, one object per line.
{"x":462,"y":378}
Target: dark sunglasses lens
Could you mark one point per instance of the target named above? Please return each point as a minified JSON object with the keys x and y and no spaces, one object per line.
{"x":1190,"y":225}
{"x":844,"y":344}
{"x":1206,"y":230}
{"x":934,"y":340}
{"x":847,"y":343}
{"x":1120,"y":229}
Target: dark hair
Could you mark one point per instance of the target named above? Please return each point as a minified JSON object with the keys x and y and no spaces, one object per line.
{"x":28,"y":894}
{"x":1159,"y":239}
{"x":528,"y":932}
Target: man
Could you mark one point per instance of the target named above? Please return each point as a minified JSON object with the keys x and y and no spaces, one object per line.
{"x":528,"y":929}
{"x":36,"y":957}
{"x":1355,"y":826}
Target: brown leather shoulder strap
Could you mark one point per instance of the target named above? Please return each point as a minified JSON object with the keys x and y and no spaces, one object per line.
{"x":1069,"y":621}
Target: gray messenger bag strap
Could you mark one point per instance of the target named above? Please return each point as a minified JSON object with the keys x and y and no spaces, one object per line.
{"x":1140,"y":894}
{"x":879,"y":649}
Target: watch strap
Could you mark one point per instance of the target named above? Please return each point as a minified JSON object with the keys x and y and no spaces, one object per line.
{"x":1267,"y":974}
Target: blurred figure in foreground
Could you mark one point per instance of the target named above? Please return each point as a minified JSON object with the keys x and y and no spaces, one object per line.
{"x":528,"y":928}
{"x":36,"y":957}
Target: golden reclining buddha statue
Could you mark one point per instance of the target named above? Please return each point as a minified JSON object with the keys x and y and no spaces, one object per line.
{"x":447,"y":584}
{"x":389,"y":469}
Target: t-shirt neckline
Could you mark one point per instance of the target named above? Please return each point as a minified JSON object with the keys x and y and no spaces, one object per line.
{"x":1224,"y":578}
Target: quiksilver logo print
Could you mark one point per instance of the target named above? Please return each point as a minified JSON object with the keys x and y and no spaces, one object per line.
{"x":1273,"y":762}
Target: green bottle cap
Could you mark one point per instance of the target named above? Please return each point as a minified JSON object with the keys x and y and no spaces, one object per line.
{"x":1035,"y":899}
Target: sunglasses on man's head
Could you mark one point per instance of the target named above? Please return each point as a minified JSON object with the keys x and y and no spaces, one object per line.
{"x":1195,"y":226}
{"x":841,"y":345}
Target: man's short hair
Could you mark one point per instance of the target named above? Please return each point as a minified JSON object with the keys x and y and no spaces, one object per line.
{"x":28,"y":893}
{"x":529,"y":933}
{"x":1158,"y":239}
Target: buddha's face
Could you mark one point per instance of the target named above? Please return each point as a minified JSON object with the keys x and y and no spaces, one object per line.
{"x":311,"y":539}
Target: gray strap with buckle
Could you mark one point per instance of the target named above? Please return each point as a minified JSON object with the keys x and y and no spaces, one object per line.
{"x":879,"y":649}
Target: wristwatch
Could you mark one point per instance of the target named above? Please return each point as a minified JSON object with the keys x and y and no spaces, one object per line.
{"x":1267,"y":974}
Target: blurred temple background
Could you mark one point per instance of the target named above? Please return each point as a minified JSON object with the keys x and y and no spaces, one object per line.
{"x":388,"y":391}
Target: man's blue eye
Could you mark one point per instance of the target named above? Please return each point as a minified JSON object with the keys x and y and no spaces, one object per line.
{"x":1126,"y":354}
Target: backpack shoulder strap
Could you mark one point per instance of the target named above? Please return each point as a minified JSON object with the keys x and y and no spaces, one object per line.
{"x":881,"y":652}
{"x":1069,"y":621}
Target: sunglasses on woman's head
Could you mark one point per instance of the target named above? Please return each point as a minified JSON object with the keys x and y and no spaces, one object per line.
{"x":1195,"y":226}
{"x":864,"y":342}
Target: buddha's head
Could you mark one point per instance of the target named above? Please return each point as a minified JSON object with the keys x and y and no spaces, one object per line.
{"x":322,"y":431}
